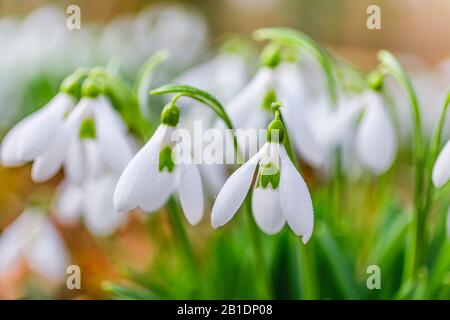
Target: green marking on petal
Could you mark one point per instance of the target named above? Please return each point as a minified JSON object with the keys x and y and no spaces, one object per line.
{"x":268,"y":99}
{"x":165,"y":159}
{"x":87,"y":129}
{"x":269,"y":175}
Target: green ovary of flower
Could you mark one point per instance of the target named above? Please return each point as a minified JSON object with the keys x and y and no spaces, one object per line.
{"x":165,"y":159}
{"x":87,"y":129}
{"x":269,"y":174}
{"x":170,"y":115}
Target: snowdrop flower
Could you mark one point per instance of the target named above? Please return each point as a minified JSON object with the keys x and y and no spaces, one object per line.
{"x":376,"y":139}
{"x":157,"y":170}
{"x":223,"y":76}
{"x":83,"y":138}
{"x":92,"y":200}
{"x":33,"y":136}
{"x":33,"y":238}
{"x":280,"y":194}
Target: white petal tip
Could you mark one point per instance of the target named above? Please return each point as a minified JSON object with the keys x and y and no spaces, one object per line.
{"x":306,"y":238}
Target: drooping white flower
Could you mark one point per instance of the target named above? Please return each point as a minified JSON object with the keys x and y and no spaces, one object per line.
{"x":441,"y":168}
{"x":221,"y":76}
{"x":33,"y":238}
{"x":376,"y":139}
{"x":93,"y":200}
{"x":280,"y":194}
{"x":159,"y":169}
{"x":34,"y":135}
{"x":108,"y":150}
{"x":51,"y":137}
{"x":93,"y":163}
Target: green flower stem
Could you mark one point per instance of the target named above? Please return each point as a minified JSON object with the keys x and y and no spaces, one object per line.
{"x":257,"y":248}
{"x":144,"y":77}
{"x":175,"y":216}
{"x":433,"y":153}
{"x":211,"y":102}
{"x":415,"y":256}
{"x":206,"y":99}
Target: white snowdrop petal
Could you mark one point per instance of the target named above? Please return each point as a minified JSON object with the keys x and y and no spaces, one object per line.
{"x":112,"y":139}
{"x":48,"y":164}
{"x":305,"y":140}
{"x":39,"y":130}
{"x":17,"y":237}
{"x":93,"y":158}
{"x":251,"y":97}
{"x":441,"y":168}
{"x":8,"y":151}
{"x":74,"y":164}
{"x":158,"y":191}
{"x":296,"y":202}
{"x":234,"y":192}
{"x":267,"y":212}
{"x":68,"y":203}
{"x":376,"y":140}
{"x":47,"y":253}
{"x":99,"y":214}
{"x":138,"y":176}
{"x":191,"y":193}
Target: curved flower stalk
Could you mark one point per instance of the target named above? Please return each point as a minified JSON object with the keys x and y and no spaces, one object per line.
{"x":280,"y":194}
{"x":33,"y":238}
{"x":157,"y":170}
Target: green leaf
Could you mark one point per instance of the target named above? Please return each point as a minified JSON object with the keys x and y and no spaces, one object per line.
{"x":125,"y":293}
{"x":145,"y":75}
{"x":341,"y":269}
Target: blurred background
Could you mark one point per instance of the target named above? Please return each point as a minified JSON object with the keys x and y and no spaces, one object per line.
{"x":37,"y":51}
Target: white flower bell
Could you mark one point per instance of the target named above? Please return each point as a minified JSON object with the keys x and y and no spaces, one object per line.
{"x":280,"y":194}
{"x":33,"y":238}
{"x":152,"y":176}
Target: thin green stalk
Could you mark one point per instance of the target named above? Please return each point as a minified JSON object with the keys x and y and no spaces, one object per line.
{"x":415,"y":256}
{"x":434,"y":152}
{"x":259,"y":252}
{"x":180,"y":232}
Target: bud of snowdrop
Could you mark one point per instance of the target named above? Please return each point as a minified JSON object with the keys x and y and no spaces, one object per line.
{"x":33,"y":238}
{"x":280,"y":194}
{"x":160,"y":168}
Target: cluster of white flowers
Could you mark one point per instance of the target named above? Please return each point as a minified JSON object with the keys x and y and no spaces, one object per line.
{"x":86,"y":135}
